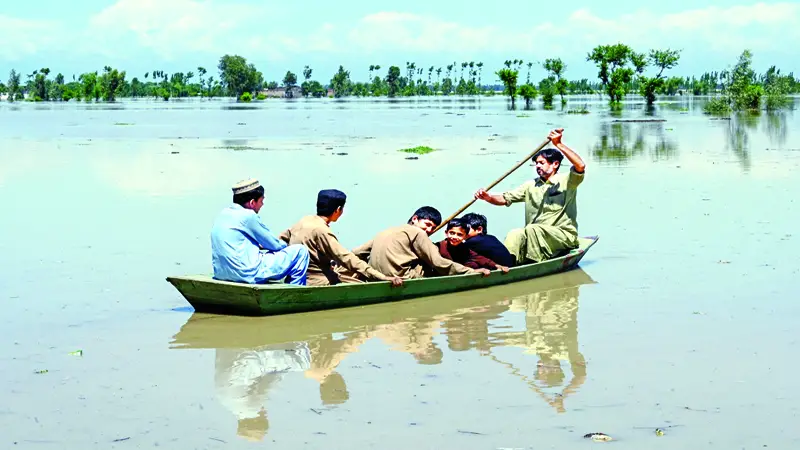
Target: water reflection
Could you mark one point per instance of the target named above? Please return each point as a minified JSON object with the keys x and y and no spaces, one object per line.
{"x":619,"y":142}
{"x":254,"y":354}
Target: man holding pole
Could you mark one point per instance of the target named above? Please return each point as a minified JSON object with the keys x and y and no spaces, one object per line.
{"x":550,"y":205}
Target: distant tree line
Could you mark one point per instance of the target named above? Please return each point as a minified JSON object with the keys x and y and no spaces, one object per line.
{"x":621,"y":71}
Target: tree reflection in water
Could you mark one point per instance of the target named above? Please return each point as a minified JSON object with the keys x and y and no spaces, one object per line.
{"x":620,"y":142}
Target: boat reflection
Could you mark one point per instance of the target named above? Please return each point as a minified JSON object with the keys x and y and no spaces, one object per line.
{"x":254,"y":353}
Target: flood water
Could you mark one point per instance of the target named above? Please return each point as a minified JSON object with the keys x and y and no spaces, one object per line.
{"x":683,"y":316}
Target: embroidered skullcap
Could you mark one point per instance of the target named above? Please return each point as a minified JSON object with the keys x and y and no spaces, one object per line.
{"x":245,"y":186}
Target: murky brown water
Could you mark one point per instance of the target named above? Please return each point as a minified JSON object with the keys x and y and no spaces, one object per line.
{"x":682,"y":316}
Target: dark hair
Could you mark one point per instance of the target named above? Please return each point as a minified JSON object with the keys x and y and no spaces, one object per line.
{"x":328,"y":200}
{"x":456,"y":223}
{"x":428,"y":213}
{"x":474,"y":220}
{"x":244,"y":197}
{"x":550,"y":154}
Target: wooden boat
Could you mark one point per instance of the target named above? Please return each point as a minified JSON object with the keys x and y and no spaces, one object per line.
{"x":206,"y":294}
{"x":206,"y":331}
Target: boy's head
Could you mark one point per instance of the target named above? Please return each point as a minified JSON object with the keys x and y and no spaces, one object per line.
{"x":330,"y":204}
{"x":456,"y":232}
{"x":249,"y":194}
{"x":426,"y":218}
{"x":547,"y":162}
{"x":475,"y":223}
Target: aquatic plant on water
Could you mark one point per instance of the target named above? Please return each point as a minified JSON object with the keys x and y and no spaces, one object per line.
{"x":418,"y":150}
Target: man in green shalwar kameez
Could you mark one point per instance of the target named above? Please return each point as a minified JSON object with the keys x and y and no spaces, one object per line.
{"x":550,"y":205}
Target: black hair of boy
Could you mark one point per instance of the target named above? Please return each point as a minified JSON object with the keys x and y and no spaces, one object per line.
{"x":427,"y":213}
{"x":475,"y":220}
{"x":329,"y":200}
{"x":456,"y":223}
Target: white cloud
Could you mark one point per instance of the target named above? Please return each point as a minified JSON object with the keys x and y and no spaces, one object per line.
{"x":177,"y":29}
{"x":20,"y":38}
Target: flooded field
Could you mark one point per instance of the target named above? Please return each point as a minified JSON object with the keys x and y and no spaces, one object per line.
{"x":681,"y":318}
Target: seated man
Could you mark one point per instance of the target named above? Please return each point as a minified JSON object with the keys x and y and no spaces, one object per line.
{"x":454,"y":248}
{"x":238,"y":238}
{"x":323,"y":248}
{"x":550,"y":205}
{"x":485,"y":244}
{"x":407,"y":250}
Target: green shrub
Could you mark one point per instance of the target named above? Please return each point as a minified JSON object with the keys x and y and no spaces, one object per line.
{"x":246,"y":97}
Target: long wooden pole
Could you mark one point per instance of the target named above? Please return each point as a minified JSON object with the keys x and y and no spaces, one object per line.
{"x":496,"y":182}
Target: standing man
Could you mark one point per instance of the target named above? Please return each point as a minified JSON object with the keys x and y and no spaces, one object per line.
{"x":314,"y":232}
{"x":550,"y":205}
{"x":244,"y":250}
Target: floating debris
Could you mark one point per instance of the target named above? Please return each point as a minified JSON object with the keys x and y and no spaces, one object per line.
{"x":123,"y":124}
{"x":412,"y":157}
{"x":638,"y":120}
{"x":341,"y":154}
{"x":598,"y":437}
{"x":40,"y":371}
{"x":470,"y":432}
{"x":76,"y":353}
{"x":121,"y":439}
{"x":173,"y":153}
{"x":659,"y":432}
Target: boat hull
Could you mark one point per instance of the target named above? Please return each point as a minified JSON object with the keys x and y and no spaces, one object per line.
{"x":220,"y":297}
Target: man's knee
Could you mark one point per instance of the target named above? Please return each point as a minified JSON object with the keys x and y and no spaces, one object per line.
{"x":298,"y":252}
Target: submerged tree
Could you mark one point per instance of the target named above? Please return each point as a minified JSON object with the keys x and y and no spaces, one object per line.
{"x":14,"y":93}
{"x":340,"y":83}
{"x":289,"y":82}
{"x":110,"y":83}
{"x":529,"y":93}
{"x":661,"y":60}
{"x":556,"y":68}
{"x":509,"y":78}
{"x":614,"y":71}
{"x":393,"y":81}
{"x":238,"y":77}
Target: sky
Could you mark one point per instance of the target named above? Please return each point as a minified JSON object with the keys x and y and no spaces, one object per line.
{"x":139,"y":36}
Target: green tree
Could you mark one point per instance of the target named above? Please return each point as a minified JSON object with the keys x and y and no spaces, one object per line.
{"x":548,"y":89}
{"x":57,"y":89}
{"x":340,"y":83}
{"x":307,"y":73}
{"x":662,"y":60}
{"x":89,"y":89}
{"x":509,"y":78}
{"x":529,"y":93}
{"x":40,"y":85}
{"x":776,"y":88}
{"x":556,"y":68}
{"x":201,"y":72}
{"x":614,"y":71}
{"x":110,"y":83}
{"x":238,"y":77}
{"x":393,"y":81}
{"x":13,"y":86}
{"x":289,"y":82}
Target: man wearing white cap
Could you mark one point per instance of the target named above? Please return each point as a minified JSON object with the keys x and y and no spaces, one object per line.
{"x":244,"y":250}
